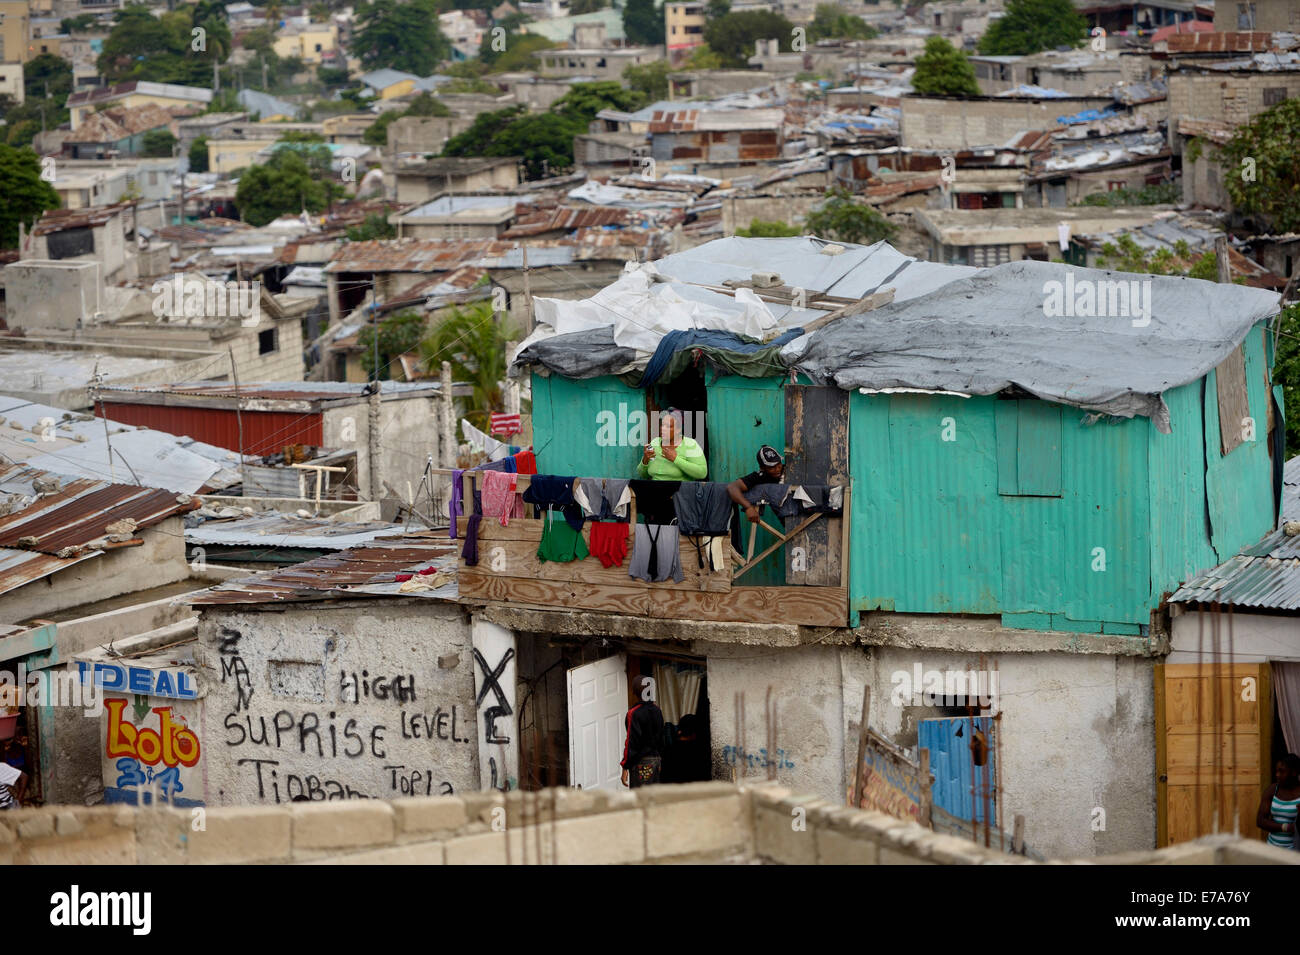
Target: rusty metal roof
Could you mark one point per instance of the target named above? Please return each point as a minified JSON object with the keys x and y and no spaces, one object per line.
{"x":1265,"y":576}
{"x":369,"y":571}
{"x":298,"y":391}
{"x":1220,"y":42}
{"x":77,"y":514}
{"x":568,"y":218}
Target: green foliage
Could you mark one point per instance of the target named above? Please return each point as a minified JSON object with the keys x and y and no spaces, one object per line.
{"x":830,"y":20}
{"x":841,"y":219}
{"x":943,"y":70}
{"x":474,"y":343}
{"x":1030,"y":26}
{"x":157,"y":143}
{"x":398,"y":334}
{"x":1286,"y":372}
{"x":287,"y":183}
{"x":1125,"y":255}
{"x":518,"y":54}
{"x":199,"y":155}
{"x":425,"y":104}
{"x":768,"y":229}
{"x":733,"y":37}
{"x":26,"y":194}
{"x":165,"y":49}
{"x":1165,"y":193}
{"x":650,"y":80}
{"x":1261,"y":167}
{"x":225,"y":101}
{"x":716,"y":9}
{"x":375,"y":226}
{"x":47,"y":72}
{"x":400,"y":36}
{"x":77,"y":24}
{"x":703,"y":58}
{"x":643,"y":23}
{"x":577,"y":7}
{"x":584,"y":100}
{"x":332,"y":77}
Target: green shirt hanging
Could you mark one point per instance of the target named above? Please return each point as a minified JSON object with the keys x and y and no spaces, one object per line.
{"x":560,"y":542}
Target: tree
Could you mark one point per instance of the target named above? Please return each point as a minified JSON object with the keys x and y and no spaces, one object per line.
{"x":584,"y":100}
{"x":768,"y":229}
{"x":716,"y":9}
{"x":578,"y":7}
{"x":1030,"y":26}
{"x":544,"y":141}
{"x":518,"y":54}
{"x":47,"y":77}
{"x":474,"y":343}
{"x":400,"y":36}
{"x":398,"y":334}
{"x":426,"y":104}
{"x":1164,"y":193}
{"x":82,"y":21}
{"x":375,"y":226}
{"x":943,"y":70}
{"x":1125,"y":255}
{"x":733,"y":37}
{"x":26,"y":194}
{"x":643,"y":23}
{"x":178,"y":47}
{"x":702,"y":58}
{"x":650,"y":79}
{"x":199,"y":155}
{"x":157,"y":143}
{"x":1286,"y":372}
{"x":830,"y":20}
{"x":1261,"y":167}
{"x":282,"y":185}
{"x":841,"y":219}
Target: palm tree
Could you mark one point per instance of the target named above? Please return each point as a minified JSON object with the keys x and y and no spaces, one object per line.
{"x":474,"y":342}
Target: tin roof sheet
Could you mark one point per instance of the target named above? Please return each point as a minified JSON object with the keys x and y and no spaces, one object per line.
{"x":1265,"y":576}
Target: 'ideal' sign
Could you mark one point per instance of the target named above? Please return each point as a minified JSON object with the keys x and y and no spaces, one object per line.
{"x":174,"y":684}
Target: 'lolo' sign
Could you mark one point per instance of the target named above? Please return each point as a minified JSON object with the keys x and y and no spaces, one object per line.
{"x":171,"y":683}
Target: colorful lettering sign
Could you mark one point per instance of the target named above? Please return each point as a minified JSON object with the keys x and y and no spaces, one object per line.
{"x":891,"y":783}
{"x":175,"y":684}
{"x":172,"y":744}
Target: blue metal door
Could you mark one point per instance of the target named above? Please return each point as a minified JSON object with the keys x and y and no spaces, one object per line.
{"x":959,"y":772}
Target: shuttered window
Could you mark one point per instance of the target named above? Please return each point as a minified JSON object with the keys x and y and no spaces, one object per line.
{"x":1029,"y":448}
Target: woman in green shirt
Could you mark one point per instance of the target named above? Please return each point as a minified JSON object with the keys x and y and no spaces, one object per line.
{"x":672,"y":457}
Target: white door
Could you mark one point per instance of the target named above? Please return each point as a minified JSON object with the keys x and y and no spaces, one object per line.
{"x":597,"y":705}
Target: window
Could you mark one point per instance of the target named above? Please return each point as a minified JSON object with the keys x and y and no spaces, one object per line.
{"x":1274,"y":95}
{"x":1029,"y":447}
{"x":266,"y":342}
{"x":983,"y":256}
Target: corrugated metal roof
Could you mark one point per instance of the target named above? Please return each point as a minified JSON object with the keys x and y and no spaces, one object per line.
{"x":281,"y":390}
{"x":1265,"y":577}
{"x":363,"y":571}
{"x":276,"y":529}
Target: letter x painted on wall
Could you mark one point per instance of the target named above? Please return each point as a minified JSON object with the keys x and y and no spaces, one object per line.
{"x":490,"y":682}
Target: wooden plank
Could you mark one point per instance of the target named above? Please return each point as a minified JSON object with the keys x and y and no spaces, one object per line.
{"x":817,"y":449}
{"x":1162,"y":769}
{"x":810,"y":606}
{"x":1234,"y":404}
{"x":773,"y":546}
{"x":856,"y":799}
{"x":518,"y":558}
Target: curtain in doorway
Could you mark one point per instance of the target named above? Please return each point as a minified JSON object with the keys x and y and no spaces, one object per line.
{"x":677,"y":686}
{"x":1286,"y":687}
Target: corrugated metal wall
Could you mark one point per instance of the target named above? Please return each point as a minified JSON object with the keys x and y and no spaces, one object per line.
{"x":582,"y":428}
{"x":265,"y":432}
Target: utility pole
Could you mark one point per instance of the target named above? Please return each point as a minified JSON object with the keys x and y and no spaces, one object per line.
{"x":528,"y":290}
{"x":239,"y":421}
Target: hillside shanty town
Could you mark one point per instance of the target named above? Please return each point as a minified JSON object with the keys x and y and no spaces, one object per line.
{"x":649,"y":431}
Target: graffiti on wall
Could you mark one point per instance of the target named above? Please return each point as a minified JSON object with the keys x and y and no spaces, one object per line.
{"x":376,"y":735}
{"x":150,"y":750}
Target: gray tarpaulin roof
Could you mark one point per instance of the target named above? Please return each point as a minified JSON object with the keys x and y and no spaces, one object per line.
{"x":983,"y":333}
{"x":949,"y":328}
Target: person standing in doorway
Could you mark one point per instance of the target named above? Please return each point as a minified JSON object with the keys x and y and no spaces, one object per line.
{"x":672,"y":456}
{"x":1280,"y":804}
{"x":643,"y":747}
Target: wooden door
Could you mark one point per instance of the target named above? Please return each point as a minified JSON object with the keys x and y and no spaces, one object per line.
{"x":1213,"y":757}
{"x":817,"y":452}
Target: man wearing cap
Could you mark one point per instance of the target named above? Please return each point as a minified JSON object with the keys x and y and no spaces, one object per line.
{"x":771,"y":470}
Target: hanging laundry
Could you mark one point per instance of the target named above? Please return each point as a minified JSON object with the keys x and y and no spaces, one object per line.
{"x":470,"y":551}
{"x":549,"y":490}
{"x":526,"y":462}
{"x":603,"y":499}
{"x":609,"y":542}
{"x":703,"y":511}
{"x":499,"y":496}
{"x":454,"y":505}
{"x":654,"y":500}
{"x":494,"y":449}
{"x":656,"y":554}
{"x":776,"y":496}
{"x":561,"y":542}
{"x":819,"y":498}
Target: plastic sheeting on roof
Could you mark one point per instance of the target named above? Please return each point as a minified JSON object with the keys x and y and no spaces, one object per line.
{"x":991,"y":330}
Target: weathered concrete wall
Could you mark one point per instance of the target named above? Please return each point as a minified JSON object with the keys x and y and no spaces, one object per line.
{"x":1076,"y":736}
{"x":938,"y":123}
{"x":1233,"y":98}
{"x":694,"y":823}
{"x":807,"y":694}
{"x":408,"y":434}
{"x":158,"y":561}
{"x":289,"y":713}
{"x":1256,"y":638}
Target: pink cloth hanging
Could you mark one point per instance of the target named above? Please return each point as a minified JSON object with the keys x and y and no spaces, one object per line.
{"x":499,"y":499}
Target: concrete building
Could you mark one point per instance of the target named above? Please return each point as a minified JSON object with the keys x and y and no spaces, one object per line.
{"x":683,"y":29}
{"x":15,"y":31}
{"x":714,"y":141}
{"x":457,"y":217}
{"x":11,"y":82}
{"x":136,"y":93}
{"x":599,"y":63}
{"x":986,"y":237}
{"x":930,"y":122}
{"x":455,"y":174}
{"x":1268,"y":16}
{"x":309,"y":42}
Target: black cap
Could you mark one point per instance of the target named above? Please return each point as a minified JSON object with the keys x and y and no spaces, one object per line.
{"x":768,"y":457}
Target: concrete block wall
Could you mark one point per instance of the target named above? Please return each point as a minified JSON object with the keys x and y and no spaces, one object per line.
{"x":698,"y":822}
